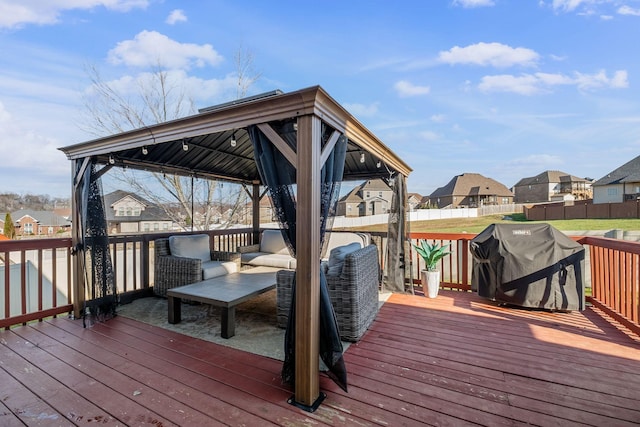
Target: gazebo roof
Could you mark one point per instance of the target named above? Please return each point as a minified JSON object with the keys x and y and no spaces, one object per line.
{"x":207,"y":138}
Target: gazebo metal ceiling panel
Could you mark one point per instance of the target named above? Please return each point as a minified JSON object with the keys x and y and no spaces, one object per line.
{"x":207,"y":137}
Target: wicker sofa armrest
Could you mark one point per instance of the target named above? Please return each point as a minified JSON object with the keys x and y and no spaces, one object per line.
{"x":353,"y":294}
{"x":248,"y":249}
{"x":226,"y":256}
{"x":172,"y":271}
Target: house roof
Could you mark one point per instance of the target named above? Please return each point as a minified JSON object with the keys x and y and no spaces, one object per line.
{"x":207,"y":137}
{"x":629,"y":172}
{"x":549,"y":176}
{"x":472,"y":184}
{"x":354,"y":196}
{"x":44,"y":218}
{"x":151,"y":212}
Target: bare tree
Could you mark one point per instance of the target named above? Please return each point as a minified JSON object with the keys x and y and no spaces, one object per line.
{"x":159,"y":98}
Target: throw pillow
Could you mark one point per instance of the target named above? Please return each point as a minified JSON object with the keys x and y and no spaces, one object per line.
{"x":337,"y":256}
{"x":194,"y":246}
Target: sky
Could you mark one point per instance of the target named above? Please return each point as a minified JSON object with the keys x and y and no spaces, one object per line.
{"x":504,"y":88}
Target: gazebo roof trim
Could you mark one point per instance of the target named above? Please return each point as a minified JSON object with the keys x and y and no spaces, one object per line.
{"x":210,"y":131}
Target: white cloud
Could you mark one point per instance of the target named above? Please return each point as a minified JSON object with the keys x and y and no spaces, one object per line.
{"x":473,"y":3}
{"x":627,"y":10}
{"x":536,"y":161}
{"x":600,"y":79}
{"x":568,"y":5}
{"x":531,"y":84}
{"x":150,"y":47}
{"x":428,"y":135}
{"x":15,"y":14}
{"x":524,"y":85}
{"x":437,"y":118}
{"x":36,"y":151}
{"x":204,"y":91}
{"x":176,"y":16}
{"x":407,"y":89}
{"x":362,"y":110}
{"x":489,"y":54}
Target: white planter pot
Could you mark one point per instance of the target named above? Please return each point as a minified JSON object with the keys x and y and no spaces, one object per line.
{"x":430,"y":283}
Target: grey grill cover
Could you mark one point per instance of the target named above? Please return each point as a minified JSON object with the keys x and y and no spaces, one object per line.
{"x":529,"y":265}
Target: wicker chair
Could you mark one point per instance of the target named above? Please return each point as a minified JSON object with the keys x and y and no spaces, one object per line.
{"x":172,"y":271}
{"x":353,"y":293}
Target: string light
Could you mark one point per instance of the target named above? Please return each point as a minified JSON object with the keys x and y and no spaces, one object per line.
{"x":111,"y":160}
{"x":145,"y":151}
{"x":362,"y":159}
{"x":185,"y":147}
{"x":233,"y":139}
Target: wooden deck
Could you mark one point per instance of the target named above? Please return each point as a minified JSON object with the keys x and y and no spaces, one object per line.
{"x":456,"y":360}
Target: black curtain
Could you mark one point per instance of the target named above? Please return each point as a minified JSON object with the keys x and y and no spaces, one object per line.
{"x":93,"y":248}
{"x":397,"y":235}
{"x":280,"y":176}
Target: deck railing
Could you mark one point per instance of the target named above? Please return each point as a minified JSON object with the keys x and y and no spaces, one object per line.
{"x":36,"y":274}
{"x":36,"y":278}
{"x":615,"y":278}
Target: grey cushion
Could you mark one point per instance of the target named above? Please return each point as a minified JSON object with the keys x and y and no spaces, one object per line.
{"x":337,"y":255}
{"x":194,"y":246}
{"x":211,"y":269}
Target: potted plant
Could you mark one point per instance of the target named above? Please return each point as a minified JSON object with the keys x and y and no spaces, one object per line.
{"x":430,"y":276}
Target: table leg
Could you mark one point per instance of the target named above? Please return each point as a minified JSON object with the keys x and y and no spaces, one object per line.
{"x":174,"y":309}
{"x":228,"y":322}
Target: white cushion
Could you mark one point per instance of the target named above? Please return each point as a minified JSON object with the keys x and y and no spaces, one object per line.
{"x":273,"y":242}
{"x":211,"y":269}
{"x":267,"y":260}
{"x":337,"y":256}
{"x":194,"y":246}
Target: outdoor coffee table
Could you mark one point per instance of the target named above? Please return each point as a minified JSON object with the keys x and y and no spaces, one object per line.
{"x":224,"y":291}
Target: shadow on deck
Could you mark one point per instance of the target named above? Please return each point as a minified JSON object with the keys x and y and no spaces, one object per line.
{"x":454,"y":360}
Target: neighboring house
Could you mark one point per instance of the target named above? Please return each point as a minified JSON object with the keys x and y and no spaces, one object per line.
{"x":552,"y":186}
{"x":619,"y":185}
{"x":30,"y":222}
{"x":414,"y":201}
{"x":471,"y":190}
{"x":129,"y":213}
{"x":373,"y":197}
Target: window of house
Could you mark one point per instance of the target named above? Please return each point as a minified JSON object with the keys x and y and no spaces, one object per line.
{"x":136,"y":211}
{"x":368,"y":194}
{"x":165,"y":226}
{"x":128,"y":211}
{"x":612,"y":191}
{"x":50,"y":230}
{"x":28,"y":228}
{"x":146,"y":226}
{"x":349,"y":208}
{"x":156,"y":226}
{"x":120,"y":211}
{"x":379,"y":193}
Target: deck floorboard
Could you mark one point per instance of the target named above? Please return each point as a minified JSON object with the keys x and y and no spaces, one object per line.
{"x":454,"y":360}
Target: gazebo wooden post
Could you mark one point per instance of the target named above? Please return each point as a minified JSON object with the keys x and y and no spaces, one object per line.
{"x":307,"y":388}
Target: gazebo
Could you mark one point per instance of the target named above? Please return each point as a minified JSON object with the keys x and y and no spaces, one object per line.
{"x":303,"y":141}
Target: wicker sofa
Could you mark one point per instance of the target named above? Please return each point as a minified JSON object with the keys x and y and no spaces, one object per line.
{"x":353,"y":292}
{"x":273,"y":252}
{"x":192,"y":261}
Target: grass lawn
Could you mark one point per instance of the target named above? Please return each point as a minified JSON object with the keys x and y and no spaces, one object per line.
{"x":476,"y":225}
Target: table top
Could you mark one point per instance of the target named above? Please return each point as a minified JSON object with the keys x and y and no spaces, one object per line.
{"x":230,"y":289}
